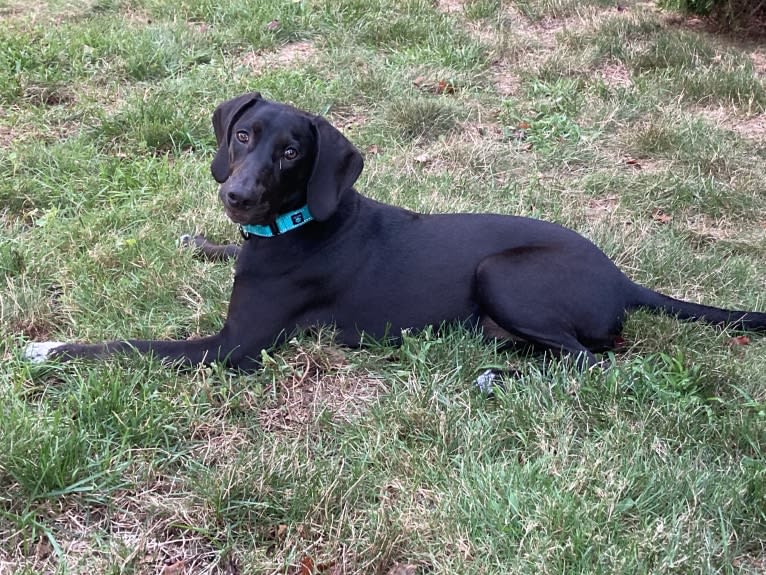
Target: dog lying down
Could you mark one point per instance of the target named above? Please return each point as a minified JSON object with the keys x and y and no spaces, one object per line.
{"x":316,"y":252}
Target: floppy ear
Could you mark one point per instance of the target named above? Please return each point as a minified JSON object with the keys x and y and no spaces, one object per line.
{"x":223,"y":118}
{"x":337,"y":165}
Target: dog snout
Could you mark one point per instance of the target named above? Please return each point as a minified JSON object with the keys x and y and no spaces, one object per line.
{"x":238,"y":199}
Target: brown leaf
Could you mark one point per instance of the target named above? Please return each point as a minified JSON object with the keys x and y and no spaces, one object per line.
{"x":306,"y":566}
{"x":633,"y":162}
{"x":523,"y":126}
{"x":435,"y":86}
{"x":444,"y":87}
{"x":739,"y":340}
{"x":43,"y":549}
{"x":177,"y":568}
{"x":660,"y":216}
{"x":273,"y":25}
{"x":325,"y":567}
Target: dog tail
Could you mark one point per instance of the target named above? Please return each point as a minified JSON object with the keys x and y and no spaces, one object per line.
{"x":688,"y":311}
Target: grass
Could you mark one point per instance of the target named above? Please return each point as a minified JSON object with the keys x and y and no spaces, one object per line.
{"x":641,"y":132}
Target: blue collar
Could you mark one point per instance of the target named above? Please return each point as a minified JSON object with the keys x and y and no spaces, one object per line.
{"x":283,"y":224}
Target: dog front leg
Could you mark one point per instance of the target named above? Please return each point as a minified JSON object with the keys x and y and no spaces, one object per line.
{"x":204,"y":351}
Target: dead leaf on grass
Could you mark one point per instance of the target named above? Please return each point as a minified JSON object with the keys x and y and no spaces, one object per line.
{"x":43,"y":549}
{"x":444,"y":87}
{"x":739,"y":340}
{"x":305,"y":567}
{"x":598,"y":207}
{"x":434,"y":86}
{"x":658,"y":215}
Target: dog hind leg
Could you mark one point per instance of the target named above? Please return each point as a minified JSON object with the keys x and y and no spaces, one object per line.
{"x":540,"y":299}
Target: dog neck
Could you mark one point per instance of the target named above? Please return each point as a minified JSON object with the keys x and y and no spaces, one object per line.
{"x":284,"y":223}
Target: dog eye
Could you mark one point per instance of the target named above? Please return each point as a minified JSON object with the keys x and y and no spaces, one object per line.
{"x":243,"y":136}
{"x":290,"y":153}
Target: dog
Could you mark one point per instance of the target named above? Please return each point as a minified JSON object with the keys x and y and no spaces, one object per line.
{"x":316,"y":252}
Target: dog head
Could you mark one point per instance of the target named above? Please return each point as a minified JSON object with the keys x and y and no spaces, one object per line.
{"x":273,"y":158}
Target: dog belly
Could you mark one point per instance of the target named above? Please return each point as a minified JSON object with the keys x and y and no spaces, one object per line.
{"x":389,"y":312}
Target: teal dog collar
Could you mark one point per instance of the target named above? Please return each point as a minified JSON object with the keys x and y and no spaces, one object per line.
{"x":283,"y":224}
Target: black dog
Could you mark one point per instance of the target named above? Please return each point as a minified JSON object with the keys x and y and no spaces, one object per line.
{"x":317,"y":252}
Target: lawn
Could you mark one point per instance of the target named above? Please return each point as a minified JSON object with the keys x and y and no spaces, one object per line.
{"x":642,"y":130}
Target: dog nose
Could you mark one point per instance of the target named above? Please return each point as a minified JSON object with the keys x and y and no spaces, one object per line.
{"x":238,"y":199}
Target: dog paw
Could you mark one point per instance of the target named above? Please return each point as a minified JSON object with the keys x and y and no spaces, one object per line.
{"x":189,"y":241}
{"x":38,"y":351}
{"x":185,"y":241}
{"x":487,"y":381}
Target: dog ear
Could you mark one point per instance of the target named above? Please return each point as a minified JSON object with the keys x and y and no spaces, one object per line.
{"x":224,"y":117}
{"x":337,"y":165}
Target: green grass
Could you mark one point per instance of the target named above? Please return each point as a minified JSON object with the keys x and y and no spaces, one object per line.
{"x":364,"y":459}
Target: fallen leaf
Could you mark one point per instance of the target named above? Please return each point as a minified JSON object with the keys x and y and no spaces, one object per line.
{"x":422,"y":159}
{"x":306,"y":566}
{"x":434,"y":86}
{"x":523,"y":126}
{"x":325,"y":567}
{"x":632,"y":162}
{"x":739,"y":340}
{"x":177,"y":568}
{"x":43,"y":549}
{"x":444,"y":87}
{"x":598,"y":207}
{"x":660,"y":216}
{"x":273,"y":25}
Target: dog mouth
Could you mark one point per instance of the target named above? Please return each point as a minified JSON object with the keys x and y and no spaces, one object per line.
{"x":253,"y":216}
{"x":248,"y":214}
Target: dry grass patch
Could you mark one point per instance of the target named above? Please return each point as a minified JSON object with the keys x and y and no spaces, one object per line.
{"x":294,"y":53}
{"x":711,"y":230}
{"x":615,"y":75}
{"x":220,"y":442}
{"x":148,"y":531}
{"x":726,"y":118}
{"x":314,"y":382}
{"x":758,"y":57}
{"x":450,"y":6}
{"x":600,"y":209}
{"x":504,"y":79}
{"x":475,"y":147}
{"x":23,"y":11}
{"x":8,"y":135}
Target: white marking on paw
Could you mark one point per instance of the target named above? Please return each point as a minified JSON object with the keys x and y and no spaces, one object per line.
{"x":37,"y":352}
{"x":486,"y":381}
